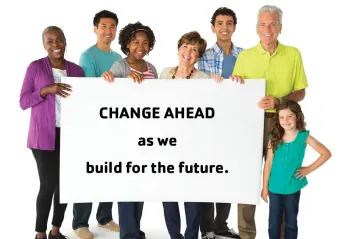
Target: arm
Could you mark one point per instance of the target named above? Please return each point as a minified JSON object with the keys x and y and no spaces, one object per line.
{"x":203,"y":64}
{"x":270,"y":102}
{"x":300,"y":82}
{"x":164,"y":73}
{"x":87,"y":65}
{"x":30,"y":96}
{"x":266,"y":172}
{"x":116,"y":71}
{"x":325,"y":154}
{"x":295,"y":96}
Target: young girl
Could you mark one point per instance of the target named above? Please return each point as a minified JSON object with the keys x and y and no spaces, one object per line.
{"x":283,"y":175}
{"x":136,"y":41}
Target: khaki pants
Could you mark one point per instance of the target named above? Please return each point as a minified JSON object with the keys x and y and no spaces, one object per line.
{"x":246,"y":212}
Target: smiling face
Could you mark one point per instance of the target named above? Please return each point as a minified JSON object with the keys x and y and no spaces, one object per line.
{"x":139,"y":45}
{"x":287,"y":120}
{"x":54,"y":43}
{"x":106,"y":30}
{"x":188,"y":54}
{"x":223,"y":27}
{"x":268,"y":28}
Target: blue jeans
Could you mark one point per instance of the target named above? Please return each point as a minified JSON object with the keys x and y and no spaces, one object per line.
{"x":129,"y":216}
{"x":279,"y":203}
{"x":173,"y":222}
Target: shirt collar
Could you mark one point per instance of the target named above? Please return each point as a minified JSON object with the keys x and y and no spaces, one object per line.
{"x":262,"y":51}
{"x":218,"y":50}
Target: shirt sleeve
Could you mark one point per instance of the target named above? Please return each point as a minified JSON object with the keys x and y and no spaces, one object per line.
{"x":203,"y":64}
{"x":30,"y":96}
{"x":164,"y":73}
{"x":118,"y":69}
{"x":300,"y":81}
{"x":88,"y":65}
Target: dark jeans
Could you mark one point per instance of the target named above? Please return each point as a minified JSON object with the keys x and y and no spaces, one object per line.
{"x":129,"y":214}
{"x":82,"y":212}
{"x":278,"y":203}
{"x":173,"y":222}
{"x":208,"y":224}
{"x":48,"y":168}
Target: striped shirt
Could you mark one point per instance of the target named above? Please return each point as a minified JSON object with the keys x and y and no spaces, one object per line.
{"x":148,"y":74}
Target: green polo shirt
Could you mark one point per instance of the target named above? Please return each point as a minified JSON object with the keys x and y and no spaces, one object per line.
{"x":283,"y":71}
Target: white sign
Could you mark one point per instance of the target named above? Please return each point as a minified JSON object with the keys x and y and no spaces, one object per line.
{"x":162,"y":140}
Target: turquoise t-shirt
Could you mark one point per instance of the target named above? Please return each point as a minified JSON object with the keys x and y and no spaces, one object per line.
{"x":95,"y":62}
{"x":288,"y":157}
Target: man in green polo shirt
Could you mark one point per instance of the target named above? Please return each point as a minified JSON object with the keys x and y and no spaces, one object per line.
{"x":283,"y":70}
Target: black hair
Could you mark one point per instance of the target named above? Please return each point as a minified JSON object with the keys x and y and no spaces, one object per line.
{"x":225,"y":12}
{"x":128,"y":33}
{"x":104,"y":14}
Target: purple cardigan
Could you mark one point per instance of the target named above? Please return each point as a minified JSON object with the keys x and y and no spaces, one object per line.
{"x":42,"y":131}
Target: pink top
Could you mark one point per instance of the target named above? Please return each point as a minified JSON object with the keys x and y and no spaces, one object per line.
{"x":149,"y":74}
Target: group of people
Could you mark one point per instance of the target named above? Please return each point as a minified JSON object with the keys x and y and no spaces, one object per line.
{"x":285,"y":135}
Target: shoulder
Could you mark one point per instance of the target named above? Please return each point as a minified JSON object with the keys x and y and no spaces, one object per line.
{"x":74,"y":66}
{"x":303,"y":135}
{"x":116,"y":55}
{"x":291,"y":50}
{"x":36,"y":63}
{"x":120,"y":68}
{"x":167,"y":69}
{"x":208,"y":52}
{"x":249,"y":51}
{"x":89,"y":51}
{"x":202,"y":75}
{"x":121,"y":63}
{"x":87,"y":56}
{"x":237,"y":50}
{"x":35,"y":66}
{"x":165,"y":72}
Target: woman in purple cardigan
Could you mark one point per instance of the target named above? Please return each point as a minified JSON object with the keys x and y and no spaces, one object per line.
{"x":42,"y":92}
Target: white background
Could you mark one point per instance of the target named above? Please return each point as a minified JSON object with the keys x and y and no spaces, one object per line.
{"x":316,"y":28}
{"x":207,"y":141}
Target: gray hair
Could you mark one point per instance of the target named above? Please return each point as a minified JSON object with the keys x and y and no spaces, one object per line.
{"x":50,"y":28}
{"x":271,"y":8}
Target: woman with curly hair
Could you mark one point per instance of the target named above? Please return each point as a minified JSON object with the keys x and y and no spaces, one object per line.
{"x":283,"y":174}
{"x":136,"y":41}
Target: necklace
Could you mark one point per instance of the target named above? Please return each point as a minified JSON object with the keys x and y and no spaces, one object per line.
{"x":187,"y":77}
{"x":141,"y":69}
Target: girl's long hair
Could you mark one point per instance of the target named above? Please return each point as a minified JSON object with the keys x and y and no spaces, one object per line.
{"x":277,"y":131}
